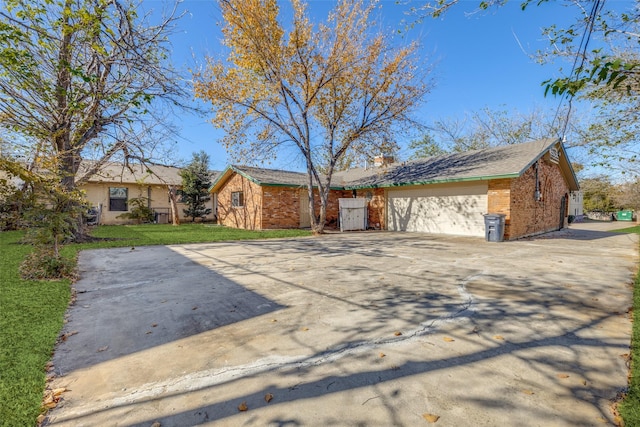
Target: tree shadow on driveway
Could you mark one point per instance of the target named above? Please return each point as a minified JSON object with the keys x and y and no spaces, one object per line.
{"x":524,"y":333}
{"x":130,"y":301}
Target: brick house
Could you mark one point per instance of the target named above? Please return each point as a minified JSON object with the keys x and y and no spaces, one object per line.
{"x":528,"y":183}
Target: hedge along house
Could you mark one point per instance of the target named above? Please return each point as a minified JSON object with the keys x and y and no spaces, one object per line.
{"x":528,"y":183}
{"x":111,"y":190}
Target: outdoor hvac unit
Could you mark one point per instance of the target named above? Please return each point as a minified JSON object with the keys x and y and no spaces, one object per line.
{"x":353,"y":214}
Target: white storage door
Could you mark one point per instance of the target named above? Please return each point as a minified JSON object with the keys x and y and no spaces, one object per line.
{"x":353,"y":214}
{"x":443,"y":208}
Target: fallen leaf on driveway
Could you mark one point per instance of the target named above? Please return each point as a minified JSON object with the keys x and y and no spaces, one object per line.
{"x":528,"y":392}
{"x":68,"y":334}
{"x":432,"y":418}
{"x":448,"y":339}
{"x":304,"y":329}
{"x":243,"y":407}
{"x":268,"y":397}
{"x":397,"y":333}
{"x":382,"y":355}
{"x":562,"y":375}
{"x":498,"y":337}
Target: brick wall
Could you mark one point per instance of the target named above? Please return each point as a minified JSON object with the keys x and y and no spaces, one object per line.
{"x":269,"y":207}
{"x":515,"y":198}
{"x":250,"y":215}
{"x":281,"y":207}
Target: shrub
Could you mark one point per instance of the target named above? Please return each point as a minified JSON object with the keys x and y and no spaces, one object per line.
{"x":140,"y":212}
{"x":43,"y":263}
{"x":13,"y":202}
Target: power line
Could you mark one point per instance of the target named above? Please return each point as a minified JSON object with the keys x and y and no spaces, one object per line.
{"x":580,"y":58}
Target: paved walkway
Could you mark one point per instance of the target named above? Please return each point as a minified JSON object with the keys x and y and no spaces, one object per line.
{"x":367,"y":329}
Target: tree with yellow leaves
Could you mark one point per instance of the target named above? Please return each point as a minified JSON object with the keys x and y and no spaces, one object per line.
{"x":330,"y":90}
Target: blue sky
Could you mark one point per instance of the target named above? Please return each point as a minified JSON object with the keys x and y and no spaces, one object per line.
{"x":481,"y":60}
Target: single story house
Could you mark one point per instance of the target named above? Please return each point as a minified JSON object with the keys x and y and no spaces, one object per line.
{"x":528,"y":183}
{"x":110,"y":190}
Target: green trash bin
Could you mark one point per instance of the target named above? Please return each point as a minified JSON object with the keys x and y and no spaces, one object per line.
{"x":625,"y":216}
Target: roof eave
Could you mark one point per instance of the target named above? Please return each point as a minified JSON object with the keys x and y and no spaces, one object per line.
{"x":224,"y":175}
{"x":435,"y":181}
{"x":539,"y":156}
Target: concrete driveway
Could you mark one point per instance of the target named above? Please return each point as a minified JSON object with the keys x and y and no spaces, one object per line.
{"x":357,"y":329}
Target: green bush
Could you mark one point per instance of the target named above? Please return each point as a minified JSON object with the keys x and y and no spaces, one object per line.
{"x":44,"y":264}
{"x":13,"y":203}
{"x":140,"y":211}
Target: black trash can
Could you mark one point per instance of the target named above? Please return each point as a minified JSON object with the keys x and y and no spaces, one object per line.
{"x":494,"y":227}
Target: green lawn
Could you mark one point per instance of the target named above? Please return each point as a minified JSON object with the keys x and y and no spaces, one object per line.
{"x":634,"y":229}
{"x":630,"y":408}
{"x":32,"y":312}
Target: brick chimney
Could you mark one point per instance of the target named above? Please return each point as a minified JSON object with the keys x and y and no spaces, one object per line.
{"x":382,"y":160}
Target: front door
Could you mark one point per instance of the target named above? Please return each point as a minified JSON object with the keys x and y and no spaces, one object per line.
{"x":563,"y":210}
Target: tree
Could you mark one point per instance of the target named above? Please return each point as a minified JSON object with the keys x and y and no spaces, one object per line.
{"x":627,"y":195}
{"x":426,"y":147}
{"x":79,"y":78}
{"x":601,"y":47}
{"x":598,"y":194}
{"x":196,"y":180}
{"x":490,"y":128}
{"x":330,"y":90}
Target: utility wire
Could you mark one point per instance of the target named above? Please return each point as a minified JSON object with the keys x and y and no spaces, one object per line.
{"x":580,"y":58}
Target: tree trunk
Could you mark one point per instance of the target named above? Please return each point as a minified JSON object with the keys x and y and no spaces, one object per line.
{"x":175,"y":218}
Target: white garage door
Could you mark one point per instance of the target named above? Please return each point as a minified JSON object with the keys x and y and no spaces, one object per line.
{"x":443,"y":208}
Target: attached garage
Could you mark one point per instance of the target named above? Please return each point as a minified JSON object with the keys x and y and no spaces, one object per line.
{"x":452,"y":208}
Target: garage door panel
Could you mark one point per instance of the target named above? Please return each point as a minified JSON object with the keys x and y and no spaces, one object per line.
{"x":443,"y":209}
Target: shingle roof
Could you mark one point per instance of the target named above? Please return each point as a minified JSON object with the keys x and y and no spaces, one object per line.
{"x":490,"y":163}
{"x":272,"y":176}
{"x":136,"y":173}
{"x":507,"y":161}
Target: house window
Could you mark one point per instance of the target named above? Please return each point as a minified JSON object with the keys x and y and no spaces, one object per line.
{"x":118,"y":199}
{"x":237,"y":199}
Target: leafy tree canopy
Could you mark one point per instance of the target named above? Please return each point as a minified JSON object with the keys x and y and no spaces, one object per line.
{"x":332,"y":90}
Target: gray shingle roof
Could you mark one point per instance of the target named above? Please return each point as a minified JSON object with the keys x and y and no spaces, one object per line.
{"x":272,"y":176}
{"x":507,"y":161}
{"x":150,"y":174}
{"x":489,"y":163}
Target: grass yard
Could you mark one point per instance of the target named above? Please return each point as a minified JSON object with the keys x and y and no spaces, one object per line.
{"x":32,"y":312}
{"x":630,"y":408}
{"x":634,"y":229}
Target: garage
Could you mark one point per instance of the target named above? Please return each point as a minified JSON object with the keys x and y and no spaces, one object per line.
{"x":452,"y":208}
